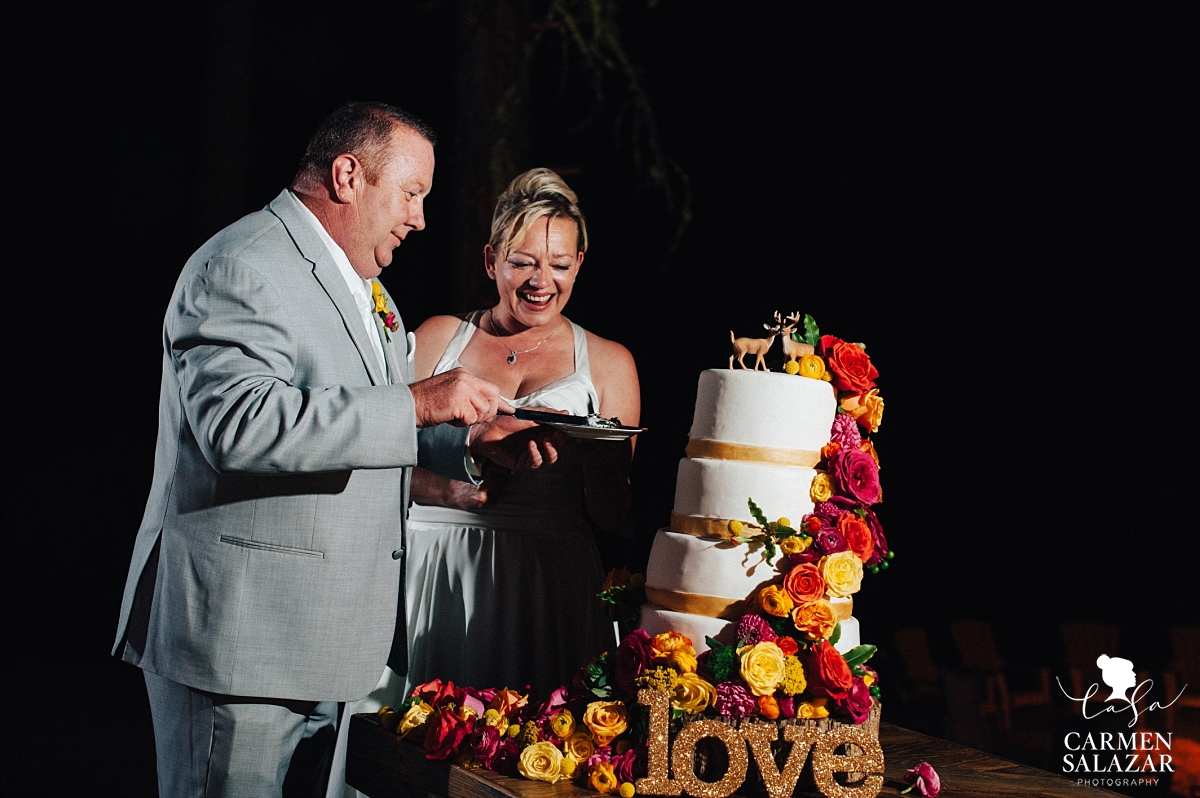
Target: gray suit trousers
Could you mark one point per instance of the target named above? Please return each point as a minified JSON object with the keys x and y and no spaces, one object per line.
{"x":215,"y":745}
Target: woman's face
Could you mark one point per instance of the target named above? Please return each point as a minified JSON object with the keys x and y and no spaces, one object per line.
{"x":536,"y":278}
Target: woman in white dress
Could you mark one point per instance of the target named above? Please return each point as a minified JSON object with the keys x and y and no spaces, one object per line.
{"x":502,"y":576}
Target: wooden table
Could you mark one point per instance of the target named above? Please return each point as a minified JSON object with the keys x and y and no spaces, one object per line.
{"x":383,"y":766}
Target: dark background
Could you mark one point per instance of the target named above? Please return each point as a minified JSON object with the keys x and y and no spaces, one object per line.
{"x":999,"y":199}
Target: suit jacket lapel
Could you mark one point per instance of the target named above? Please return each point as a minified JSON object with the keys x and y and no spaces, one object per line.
{"x":326,"y":271}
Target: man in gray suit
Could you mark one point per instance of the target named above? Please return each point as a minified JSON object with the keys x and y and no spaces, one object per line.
{"x":263,"y":589}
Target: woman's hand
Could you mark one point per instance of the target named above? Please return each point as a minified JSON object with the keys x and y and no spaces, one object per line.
{"x":430,"y":488}
{"x":515,"y":444}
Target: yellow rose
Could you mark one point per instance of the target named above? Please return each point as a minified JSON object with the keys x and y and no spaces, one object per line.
{"x":812,"y":366}
{"x":794,"y":545}
{"x":762,"y":667}
{"x":414,"y":718}
{"x":843,"y":573}
{"x":866,"y":409}
{"x":815,"y":619}
{"x":774,"y":600}
{"x":541,"y":762}
{"x":693,"y":694}
{"x":606,"y":720}
{"x":821,"y":488}
{"x":602,"y":779}
{"x":579,"y":746}
{"x":562,"y":724}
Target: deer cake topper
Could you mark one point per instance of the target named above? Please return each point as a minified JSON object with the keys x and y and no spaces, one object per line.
{"x":754,"y":346}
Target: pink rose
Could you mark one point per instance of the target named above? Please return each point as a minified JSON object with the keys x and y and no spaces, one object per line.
{"x":631,"y":764}
{"x":483,"y":742}
{"x":925,"y":779}
{"x":857,"y":704}
{"x":879,"y":550}
{"x":633,"y":656}
{"x":856,"y":475}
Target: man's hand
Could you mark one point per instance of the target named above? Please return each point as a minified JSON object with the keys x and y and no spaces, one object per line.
{"x":515,"y":444}
{"x":455,"y":397}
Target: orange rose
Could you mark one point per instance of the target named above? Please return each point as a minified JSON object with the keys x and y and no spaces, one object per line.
{"x":804,"y":583}
{"x":866,"y":409}
{"x":768,"y":707}
{"x":787,"y":645}
{"x":829,"y":450}
{"x":869,"y":448}
{"x":815,"y":619}
{"x":851,"y":367}
{"x":857,"y":534}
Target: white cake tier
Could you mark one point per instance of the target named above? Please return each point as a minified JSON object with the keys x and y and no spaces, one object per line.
{"x":720,"y":489}
{"x":759,"y":408}
{"x":656,"y":620}
{"x":706,"y":567}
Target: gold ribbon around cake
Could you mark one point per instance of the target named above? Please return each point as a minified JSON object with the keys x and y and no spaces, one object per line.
{"x":700,"y":527}
{"x":723,"y":450}
{"x":697,"y":604}
{"x":724,"y":608}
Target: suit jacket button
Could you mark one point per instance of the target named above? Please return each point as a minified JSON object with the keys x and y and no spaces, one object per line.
{"x":397,"y":554}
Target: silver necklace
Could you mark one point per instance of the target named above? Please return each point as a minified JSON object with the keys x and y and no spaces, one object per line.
{"x":512,"y":353}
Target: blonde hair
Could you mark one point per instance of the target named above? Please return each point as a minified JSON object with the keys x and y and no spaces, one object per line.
{"x":530,"y":196}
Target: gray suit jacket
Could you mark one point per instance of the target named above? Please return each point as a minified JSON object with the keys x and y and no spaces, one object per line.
{"x":268,"y":560}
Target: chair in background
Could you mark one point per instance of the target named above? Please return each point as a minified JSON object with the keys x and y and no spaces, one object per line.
{"x":977,"y":648}
{"x":919,"y":668}
{"x":1084,"y":643}
{"x":1183,"y":673}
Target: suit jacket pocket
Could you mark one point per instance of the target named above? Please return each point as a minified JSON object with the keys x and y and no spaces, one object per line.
{"x":260,"y":546}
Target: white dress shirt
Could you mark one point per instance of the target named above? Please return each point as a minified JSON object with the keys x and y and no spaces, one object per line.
{"x":360,"y":289}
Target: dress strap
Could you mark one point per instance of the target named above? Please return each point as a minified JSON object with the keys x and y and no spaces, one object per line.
{"x":583,"y":367}
{"x":458,"y":342}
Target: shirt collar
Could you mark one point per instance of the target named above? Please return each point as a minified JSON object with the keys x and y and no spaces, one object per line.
{"x":360,"y":289}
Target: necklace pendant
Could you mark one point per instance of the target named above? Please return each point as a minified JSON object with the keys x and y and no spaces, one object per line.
{"x":512,"y":357}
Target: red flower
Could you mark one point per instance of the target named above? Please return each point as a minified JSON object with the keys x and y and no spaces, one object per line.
{"x":827,"y":671}
{"x":445,"y":733}
{"x":851,"y":367}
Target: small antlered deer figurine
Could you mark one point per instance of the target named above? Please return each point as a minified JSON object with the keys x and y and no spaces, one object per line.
{"x":753,"y":346}
{"x":793,"y":350}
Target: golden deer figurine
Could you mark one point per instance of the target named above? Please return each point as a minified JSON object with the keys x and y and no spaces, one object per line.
{"x":753,"y":346}
{"x":792,"y":350}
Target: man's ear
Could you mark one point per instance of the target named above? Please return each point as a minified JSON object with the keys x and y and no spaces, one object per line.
{"x":346,"y":172}
{"x":489,"y":261}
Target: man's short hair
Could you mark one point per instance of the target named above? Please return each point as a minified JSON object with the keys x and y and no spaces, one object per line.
{"x":363,"y":129}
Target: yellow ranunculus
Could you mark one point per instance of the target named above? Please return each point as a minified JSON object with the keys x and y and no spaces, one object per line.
{"x":807,"y":710}
{"x":794,"y":544}
{"x":682,"y":660}
{"x":843,"y":573}
{"x":774,"y":600}
{"x":666,"y":642}
{"x":602,"y":779}
{"x":606,"y":720}
{"x":866,"y":409}
{"x":414,"y":718}
{"x":541,"y":762}
{"x":562,"y":724}
{"x":693,"y":694}
{"x":493,"y":718}
{"x":821,"y":488}
{"x":579,"y":746}
{"x":762,"y":667}
{"x":812,"y":366}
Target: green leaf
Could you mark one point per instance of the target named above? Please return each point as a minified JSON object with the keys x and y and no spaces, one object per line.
{"x":811,"y":334}
{"x":837,"y":634}
{"x":859,"y":654}
{"x":769,"y":545}
{"x":756,"y":512}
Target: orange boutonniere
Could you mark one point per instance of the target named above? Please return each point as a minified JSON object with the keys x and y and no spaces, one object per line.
{"x":390,"y":322}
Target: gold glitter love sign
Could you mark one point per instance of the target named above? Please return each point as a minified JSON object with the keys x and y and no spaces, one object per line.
{"x":759,"y":736}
